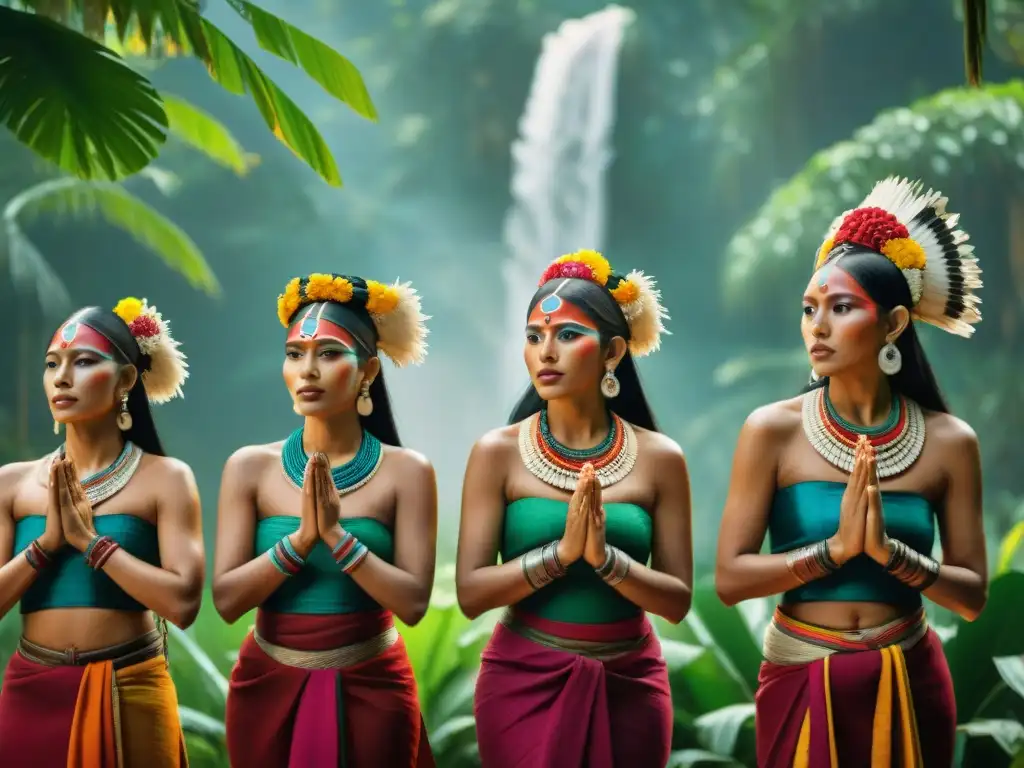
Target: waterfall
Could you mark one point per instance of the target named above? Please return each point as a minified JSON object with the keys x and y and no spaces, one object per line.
{"x":558,"y":165}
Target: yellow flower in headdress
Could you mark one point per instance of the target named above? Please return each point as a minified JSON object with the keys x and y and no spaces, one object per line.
{"x":598,"y":264}
{"x":625,"y":292}
{"x":382,"y":298}
{"x":905,"y":253}
{"x":824,"y":251}
{"x":318,"y":287}
{"x":128,"y":309}
{"x":288,"y":302}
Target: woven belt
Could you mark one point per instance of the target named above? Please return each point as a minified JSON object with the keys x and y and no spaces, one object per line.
{"x":788,"y":641}
{"x":593,"y":649}
{"x":333,"y":658}
{"x":143,"y":648}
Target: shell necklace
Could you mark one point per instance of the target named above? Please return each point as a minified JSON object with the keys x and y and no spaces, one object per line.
{"x":898,"y":442}
{"x":557,"y":465}
{"x":102,"y":485}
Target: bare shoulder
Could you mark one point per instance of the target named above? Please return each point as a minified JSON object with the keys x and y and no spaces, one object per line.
{"x":498,"y":444}
{"x":171,"y":474}
{"x":254,"y":458}
{"x":774,"y":422}
{"x":410,"y":463}
{"x":950,"y":432}
{"x":14,"y":474}
{"x":660,"y":448}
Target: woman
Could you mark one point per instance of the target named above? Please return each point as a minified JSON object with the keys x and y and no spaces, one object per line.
{"x":851,"y":492}
{"x":330,"y":533}
{"x":95,"y":539}
{"x":576,"y":494}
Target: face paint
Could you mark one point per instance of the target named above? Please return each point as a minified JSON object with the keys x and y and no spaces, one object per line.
{"x":841,"y":323}
{"x":312,"y":328}
{"x":75,"y":335}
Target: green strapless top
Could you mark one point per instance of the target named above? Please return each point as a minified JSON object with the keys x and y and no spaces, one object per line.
{"x":579,"y":597}
{"x":69,"y":583}
{"x":807,"y":512}
{"x":320,"y":587}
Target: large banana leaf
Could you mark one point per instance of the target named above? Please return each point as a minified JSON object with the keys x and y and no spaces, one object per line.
{"x":74,"y":102}
{"x":29,"y":269}
{"x":205,"y":134}
{"x":959,"y":127}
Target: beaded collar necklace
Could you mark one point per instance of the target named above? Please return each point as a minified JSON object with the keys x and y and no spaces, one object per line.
{"x":557,"y":465}
{"x":898,"y":442}
{"x":101,"y":485}
{"x":348,"y":477}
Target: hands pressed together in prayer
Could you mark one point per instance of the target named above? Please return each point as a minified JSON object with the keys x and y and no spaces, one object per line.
{"x":585,"y":523}
{"x":69,"y":515}
{"x":321,"y":508}
{"x":861,"y":522}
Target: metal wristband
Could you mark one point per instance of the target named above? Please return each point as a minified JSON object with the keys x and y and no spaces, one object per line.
{"x":811,"y":562}
{"x":911,"y":567}
{"x":615,"y":567}
{"x":541,"y":566}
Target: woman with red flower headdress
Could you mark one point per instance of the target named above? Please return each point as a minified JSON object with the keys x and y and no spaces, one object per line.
{"x":576,"y":495}
{"x":96,"y":540}
{"x":852,"y":480}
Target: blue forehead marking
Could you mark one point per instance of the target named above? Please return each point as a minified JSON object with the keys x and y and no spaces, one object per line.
{"x":551,"y":304}
{"x":68,"y":332}
{"x":309,"y":326}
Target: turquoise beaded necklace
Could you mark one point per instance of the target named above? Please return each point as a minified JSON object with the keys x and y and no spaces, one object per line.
{"x":348,"y":477}
{"x":578,"y":454}
{"x":890,"y":422}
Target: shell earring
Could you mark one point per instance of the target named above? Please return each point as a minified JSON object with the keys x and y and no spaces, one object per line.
{"x":610,"y":386}
{"x":364,"y":403}
{"x":56,"y":427}
{"x":124,"y":418}
{"x":889,"y":359}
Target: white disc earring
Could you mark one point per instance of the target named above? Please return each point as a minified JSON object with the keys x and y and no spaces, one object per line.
{"x":610,"y":386}
{"x":364,"y":403}
{"x":124,"y":418}
{"x":889,"y":359}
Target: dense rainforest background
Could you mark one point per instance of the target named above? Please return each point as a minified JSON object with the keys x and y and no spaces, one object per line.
{"x":707,"y":143}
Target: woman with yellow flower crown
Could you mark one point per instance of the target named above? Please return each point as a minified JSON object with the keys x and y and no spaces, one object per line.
{"x":96,"y":539}
{"x":852,"y":479}
{"x":330,"y":533}
{"x":576,"y":495}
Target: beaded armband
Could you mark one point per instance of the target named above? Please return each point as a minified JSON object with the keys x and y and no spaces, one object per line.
{"x":910,"y":566}
{"x":811,"y":562}
{"x":349,"y":553}
{"x":541,"y":566}
{"x":285,"y":558}
{"x":37,"y":557}
{"x":99,"y":551}
{"x":615,"y":567}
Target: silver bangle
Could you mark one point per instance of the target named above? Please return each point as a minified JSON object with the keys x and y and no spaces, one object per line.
{"x":541,"y":566}
{"x":615,"y":567}
{"x":910,"y":566}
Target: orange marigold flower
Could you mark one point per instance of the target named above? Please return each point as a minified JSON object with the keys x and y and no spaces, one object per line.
{"x":625,"y":292}
{"x":128,"y":309}
{"x":598,"y":264}
{"x":905,"y":253}
{"x":383,"y":298}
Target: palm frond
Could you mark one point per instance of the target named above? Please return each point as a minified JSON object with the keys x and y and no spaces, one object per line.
{"x":111,"y":203}
{"x":205,"y":134}
{"x":75,"y":102}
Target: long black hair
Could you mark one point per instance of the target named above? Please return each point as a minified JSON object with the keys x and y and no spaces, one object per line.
{"x":126,"y":351}
{"x":597,"y":303}
{"x":885,"y":284}
{"x":355,"y":319}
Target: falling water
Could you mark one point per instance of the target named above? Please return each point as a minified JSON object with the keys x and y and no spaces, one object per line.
{"x":559,"y":164}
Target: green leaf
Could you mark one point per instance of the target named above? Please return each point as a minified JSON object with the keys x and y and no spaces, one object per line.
{"x":338,"y":76}
{"x":694,"y":758}
{"x":74,"y":102}
{"x":1008,"y":734}
{"x":1011,"y":669}
{"x":205,"y":134}
{"x":719,"y":730}
{"x":118,"y":208}
{"x":730,"y":632}
{"x":1009,"y":547}
{"x":214,"y":682}
{"x":229,"y":66}
{"x":209,"y":728}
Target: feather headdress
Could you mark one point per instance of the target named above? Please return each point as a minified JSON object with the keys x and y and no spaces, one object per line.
{"x":914,"y":231}
{"x":164,"y":368}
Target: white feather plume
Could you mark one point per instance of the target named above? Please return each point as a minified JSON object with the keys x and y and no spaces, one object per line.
{"x":402,"y":332}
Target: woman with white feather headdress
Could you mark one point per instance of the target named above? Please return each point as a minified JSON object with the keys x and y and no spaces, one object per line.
{"x":852,"y":480}
{"x":98,"y":541}
{"x":588,"y":506}
{"x":330,"y":533}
